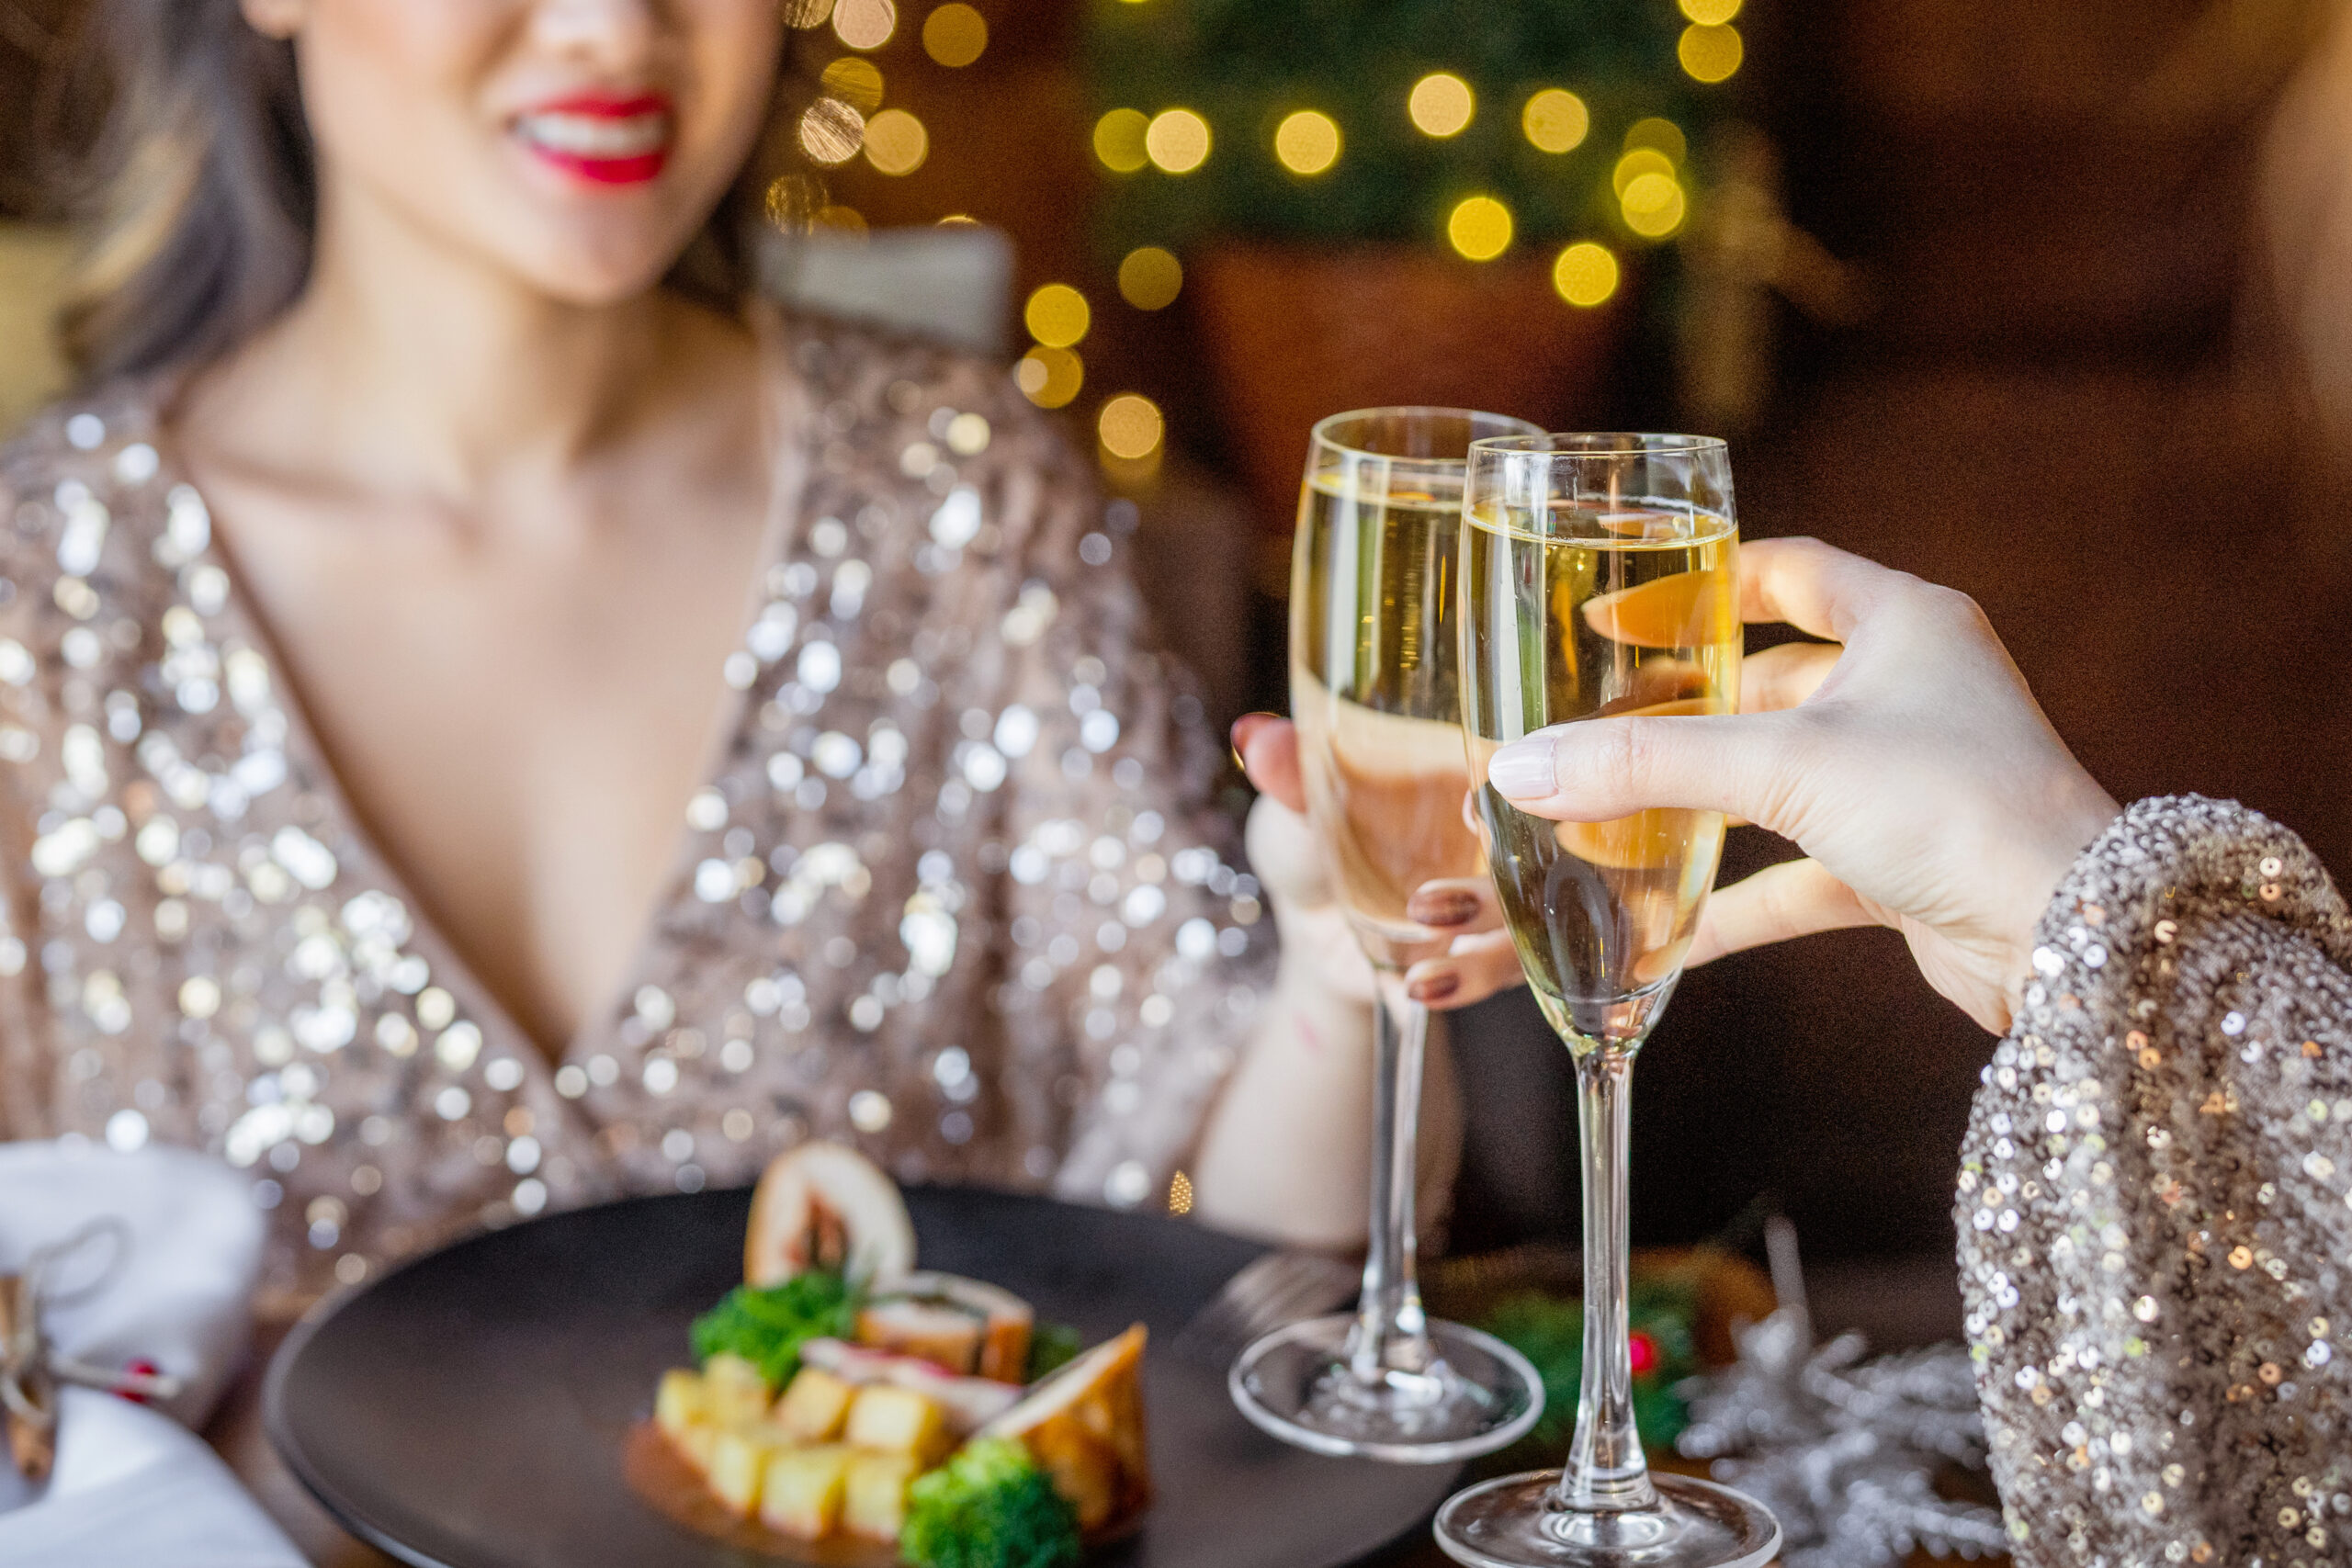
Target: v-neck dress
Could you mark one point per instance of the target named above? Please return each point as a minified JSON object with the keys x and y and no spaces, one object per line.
{"x":953,"y":890}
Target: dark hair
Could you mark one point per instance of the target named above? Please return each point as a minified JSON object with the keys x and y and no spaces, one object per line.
{"x":203,"y":194}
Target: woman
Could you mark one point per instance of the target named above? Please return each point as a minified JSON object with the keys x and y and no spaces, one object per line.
{"x":490,"y":730}
{"x":2152,"y":1194}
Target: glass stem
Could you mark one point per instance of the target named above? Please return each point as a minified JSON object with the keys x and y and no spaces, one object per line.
{"x":1392,"y":1331}
{"x":1605,"y":1471}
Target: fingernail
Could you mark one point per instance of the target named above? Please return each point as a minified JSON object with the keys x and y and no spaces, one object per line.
{"x":1238,"y":736}
{"x":1522,"y":770}
{"x":1452,"y":908}
{"x":1435,"y":988}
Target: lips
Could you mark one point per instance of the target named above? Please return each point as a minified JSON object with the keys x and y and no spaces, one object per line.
{"x":603,"y":139}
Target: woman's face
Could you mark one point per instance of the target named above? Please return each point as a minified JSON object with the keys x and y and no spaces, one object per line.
{"x":578,"y":144}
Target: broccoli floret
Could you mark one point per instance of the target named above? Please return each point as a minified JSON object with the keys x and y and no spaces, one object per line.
{"x":766,"y":1326}
{"x":1051,"y":1345}
{"x":989,"y":1506}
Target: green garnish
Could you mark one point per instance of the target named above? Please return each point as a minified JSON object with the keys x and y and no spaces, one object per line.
{"x":766,"y":1326}
{"x":1549,"y":1331}
{"x":989,"y":1506}
{"x":1051,"y":1345}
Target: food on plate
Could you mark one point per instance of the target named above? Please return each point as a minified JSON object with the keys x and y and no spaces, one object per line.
{"x":842,"y":1395}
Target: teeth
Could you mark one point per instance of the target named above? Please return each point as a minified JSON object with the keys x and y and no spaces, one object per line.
{"x":595,"y":136}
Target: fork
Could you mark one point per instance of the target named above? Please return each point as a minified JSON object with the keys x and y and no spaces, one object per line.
{"x":1271,"y":1291}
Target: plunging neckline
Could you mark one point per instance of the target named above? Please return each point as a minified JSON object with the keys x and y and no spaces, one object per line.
{"x":784,"y":412}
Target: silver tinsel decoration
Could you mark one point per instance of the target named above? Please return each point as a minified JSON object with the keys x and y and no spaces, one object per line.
{"x":1842,"y":1449}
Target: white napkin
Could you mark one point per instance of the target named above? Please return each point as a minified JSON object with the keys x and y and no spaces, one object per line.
{"x":132,"y":1486}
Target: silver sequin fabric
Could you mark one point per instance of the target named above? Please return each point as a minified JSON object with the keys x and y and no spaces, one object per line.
{"x":954,"y":893}
{"x":2156,"y":1207}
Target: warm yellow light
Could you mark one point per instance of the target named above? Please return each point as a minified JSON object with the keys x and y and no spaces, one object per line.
{"x":1556,"y":121}
{"x":793,"y":201}
{"x":1180,"y":1194}
{"x":865,"y":24}
{"x":959,"y":220}
{"x":954,"y":34}
{"x":1659,"y":135}
{"x":1130,"y":426}
{"x":1177,"y":140}
{"x":1479,"y":227}
{"x":1057,"y":315}
{"x":1635,"y":164}
{"x":1150,"y":278}
{"x":855,"y":80}
{"x":895,"y":142}
{"x":1118,"y":140}
{"x":806,"y":13}
{"x":1711,"y":13}
{"x":832,"y":131}
{"x":1440,"y":104}
{"x":1711,"y":54}
{"x":1307,"y":141}
{"x":1586,"y":273}
{"x":844,"y":220}
{"x":1049,"y":377}
{"x":1654,"y":206}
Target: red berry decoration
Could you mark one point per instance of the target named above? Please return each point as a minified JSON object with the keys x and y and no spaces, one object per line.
{"x":1644,"y":1353}
{"x":141,"y":1367}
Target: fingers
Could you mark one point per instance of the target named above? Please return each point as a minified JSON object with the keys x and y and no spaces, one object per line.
{"x":1267,"y":746}
{"x":1782,"y":677}
{"x":1813,"y":587}
{"x":1287,"y":857}
{"x":1794,"y":898}
{"x":1476,"y":968}
{"x":1597,"y":769}
{"x":1459,"y":905}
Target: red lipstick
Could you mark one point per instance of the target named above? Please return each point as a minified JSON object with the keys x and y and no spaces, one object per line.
{"x":606,"y":139}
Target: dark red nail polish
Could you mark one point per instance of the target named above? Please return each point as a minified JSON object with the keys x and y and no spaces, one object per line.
{"x":1452,"y":909}
{"x":1435,"y":988}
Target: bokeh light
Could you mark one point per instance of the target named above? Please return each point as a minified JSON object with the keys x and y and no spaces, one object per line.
{"x":1661,"y":135}
{"x":959,"y":220}
{"x":954,"y":34}
{"x":1585,"y":274}
{"x":832,"y":131}
{"x":1479,"y":227}
{"x":1131,"y":427}
{"x":1635,"y":164}
{"x":1654,"y":205}
{"x":1440,"y":104}
{"x":865,"y":24}
{"x":840,"y":220}
{"x":1049,"y":377}
{"x":1057,"y":315}
{"x":1307,"y":141}
{"x":1150,"y":278}
{"x":806,"y":13}
{"x":1711,"y":54}
{"x":1177,"y":140}
{"x":855,"y":80}
{"x":793,"y":200}
{"x":1556,"y":121}
{"x":1118,"y":140}
{"x":895,"y":142}
{"x":1711,"y":13}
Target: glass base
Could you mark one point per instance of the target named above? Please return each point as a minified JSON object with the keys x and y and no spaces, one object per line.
{"x":1514,"y":1523}
{"x":1474,"y":1394}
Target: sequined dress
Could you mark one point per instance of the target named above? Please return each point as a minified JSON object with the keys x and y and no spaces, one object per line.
{"x":953,"y":894}
{"x":2156,"y":1207}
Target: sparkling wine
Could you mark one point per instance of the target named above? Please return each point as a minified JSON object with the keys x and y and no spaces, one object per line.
{"x":1373,"y":654}
{"x":1592,"y":613}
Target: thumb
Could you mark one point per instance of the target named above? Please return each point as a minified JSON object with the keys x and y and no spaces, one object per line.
{"x":1597,"y":769}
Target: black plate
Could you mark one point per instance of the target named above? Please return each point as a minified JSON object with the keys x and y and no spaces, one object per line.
{"x":469,"y":1408}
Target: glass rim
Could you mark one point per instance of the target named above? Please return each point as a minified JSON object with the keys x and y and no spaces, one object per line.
{"x":1323,"y":439}
{"x":1599,"y":443}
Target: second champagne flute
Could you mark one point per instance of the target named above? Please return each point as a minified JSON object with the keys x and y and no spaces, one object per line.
{"x":1372,"y":689}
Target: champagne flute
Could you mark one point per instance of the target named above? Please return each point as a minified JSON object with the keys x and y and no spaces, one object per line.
{"x":1372,"y":689}
{"x":1598,"y":578}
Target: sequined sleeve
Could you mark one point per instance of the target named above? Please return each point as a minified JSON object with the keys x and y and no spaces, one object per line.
{"x":2156,"y":1205}
{"x":28,"y":1072}
{"x":1133,"y":949}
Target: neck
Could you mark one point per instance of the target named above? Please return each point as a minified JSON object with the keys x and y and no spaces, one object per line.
{"x":408,"y":365}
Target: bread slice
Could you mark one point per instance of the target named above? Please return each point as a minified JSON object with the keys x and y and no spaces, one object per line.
{"x":1084,"y":1425}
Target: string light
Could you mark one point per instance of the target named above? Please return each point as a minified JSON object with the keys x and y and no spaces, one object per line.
{"x":793,"y":201}
{"x":1057,"y":315}
{"x":1049,"y":377}
{"x":1711,"y":13}
{"x":1440,"y":104}
{"x":806,"y":13}
{"x":1710,"y":54}
{"x":1119,"y":140}
{"x":1130,"y":426}
{"x":1480,"y":227}
{"x":895,"y":142}
{"x":855,"y":80}
{"x":1180,"y":1194}
{"x":1653,"y":205}
{"x":1150,"y":278}
{"x":1556,"y":121}
{"x":865,"y":24}
{"x":1177,"y":140}
{"x":955,"y":35}
{"x":1307,"y":141}
{"x":832,"y":131}
{"x":1585,"y":274}
{"x":1659,"y":135}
